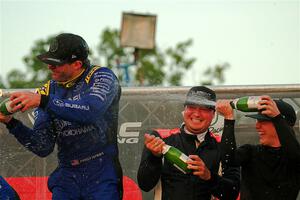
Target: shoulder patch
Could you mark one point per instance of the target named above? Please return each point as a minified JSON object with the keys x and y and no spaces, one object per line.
{"x":88,"y":77}
{"x":44,"y":90}
{"x":216,"y":137}
{"x":164,"y":133}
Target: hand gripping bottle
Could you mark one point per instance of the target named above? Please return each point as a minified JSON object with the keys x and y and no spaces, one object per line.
{"x":5,"y":108}
{"x":176,"y":158}
{"x":246,"y":104}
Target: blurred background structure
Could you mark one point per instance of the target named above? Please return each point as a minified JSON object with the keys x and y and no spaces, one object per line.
{"x":241,"y":47}
{"x":243,"y":42}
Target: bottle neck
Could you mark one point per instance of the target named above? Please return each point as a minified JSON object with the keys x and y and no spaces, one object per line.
{"x":165,"y":148}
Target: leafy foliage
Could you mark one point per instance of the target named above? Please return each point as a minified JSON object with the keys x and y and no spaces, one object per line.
{"x":2,"y":85}
{"x":145,"y":67}
{"x":153,"y":67}
{"x":37,"y":72}
{"x":215,"y":75}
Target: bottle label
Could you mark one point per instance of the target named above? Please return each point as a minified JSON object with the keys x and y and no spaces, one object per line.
{"x":5,"y":107}
{"x":253,"y":101}
{"x":183,"y":157}
{"x":8,"y":108}
{"x":176,"y":158}
{"x":165,"y":149}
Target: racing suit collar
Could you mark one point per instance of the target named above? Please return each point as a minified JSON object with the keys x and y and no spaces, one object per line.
{"x":200,"y":136}
{"x":70,"y":83}
{"x":208,"y":140}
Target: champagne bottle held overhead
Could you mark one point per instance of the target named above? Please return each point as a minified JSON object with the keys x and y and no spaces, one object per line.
{"x":5,"y":108}
{"x":246,"y":104}
{"x":176,"y":158}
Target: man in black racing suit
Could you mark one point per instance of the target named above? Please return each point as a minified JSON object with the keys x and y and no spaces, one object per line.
{"x":270,"y":169}
{"x":193,"y":139}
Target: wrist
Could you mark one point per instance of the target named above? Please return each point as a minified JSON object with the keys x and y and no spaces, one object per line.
{"x":208,"y":175}
{"x":230,"y":115}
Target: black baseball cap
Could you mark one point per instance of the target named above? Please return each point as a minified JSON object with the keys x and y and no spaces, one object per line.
{"x":201,"y":96}
{"x":286,"y":110}
{"x":65,"y":48}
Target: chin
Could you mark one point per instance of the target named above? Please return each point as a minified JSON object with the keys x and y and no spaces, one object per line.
{"x":262,"y":142}
{"x":198,"y":130}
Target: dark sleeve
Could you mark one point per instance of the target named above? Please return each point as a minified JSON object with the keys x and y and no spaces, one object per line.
{"x":288,"y":142}
{"x":40,"y":139}
{"x":227,"y":186}
{"x":231,"y":155}
{"x":149,"y":170}
{"x":287,"y":138}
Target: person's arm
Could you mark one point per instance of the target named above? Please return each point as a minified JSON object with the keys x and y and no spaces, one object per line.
{"x":149,"y":170}
{"x":227,"y":186}
{"x":230,"y":154}
{"x":40,"y":139}
{"x":287,"y":138}
{"x":151,"y":163}
{"x":284,"y":131}
{"x":88,"y":108}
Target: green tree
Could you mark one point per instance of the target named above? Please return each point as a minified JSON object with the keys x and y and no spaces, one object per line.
{"x":179,"y":63}
{"x":147,"y":67}
{"x":36,"y":72}
{"x":153,"y":67}
{"x":2,"y":85}
{"x":215,"y":75}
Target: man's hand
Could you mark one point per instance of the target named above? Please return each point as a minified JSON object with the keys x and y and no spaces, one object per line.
{"x":24,"y":100}
{"x":198,"y":166}
{"x":224,"y":108}
{"x":268,"y":106}
{"x":154,"y":144}
{"x":5,"y":118}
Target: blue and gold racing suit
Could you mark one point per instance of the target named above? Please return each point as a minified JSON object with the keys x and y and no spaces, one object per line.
{"x":81,"y":117}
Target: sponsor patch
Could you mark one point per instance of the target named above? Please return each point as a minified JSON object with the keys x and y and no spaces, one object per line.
{"x":58,"y":103}
{"x":44,"y":90}
{"x":88,"y":77}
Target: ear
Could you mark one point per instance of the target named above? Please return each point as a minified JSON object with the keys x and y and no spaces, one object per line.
{"x":184,"y":110}
{"x":77,"y":64}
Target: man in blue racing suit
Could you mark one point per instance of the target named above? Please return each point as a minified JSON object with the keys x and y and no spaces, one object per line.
{"x":77,"y":110}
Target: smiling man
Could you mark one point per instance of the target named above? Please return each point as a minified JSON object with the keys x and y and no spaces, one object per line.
{"x":194,"y":139}
{"x":271,"y":169}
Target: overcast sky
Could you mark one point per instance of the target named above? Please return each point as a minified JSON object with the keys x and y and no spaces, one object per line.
{"x":259,"y":39}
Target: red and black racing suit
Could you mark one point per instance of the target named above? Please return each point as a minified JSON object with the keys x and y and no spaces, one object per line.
{"x":177,"y":185}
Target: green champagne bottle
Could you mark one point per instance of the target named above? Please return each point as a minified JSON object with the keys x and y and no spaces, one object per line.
{"x":246,"y":104}
{"x":176,"y":158}
{"x":5,"y":108}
